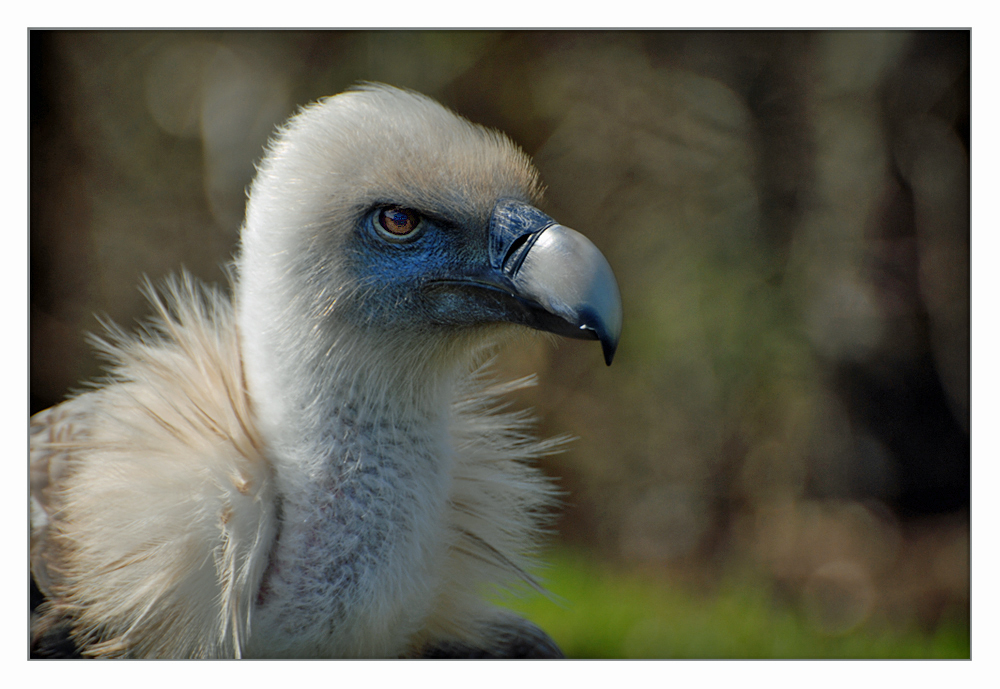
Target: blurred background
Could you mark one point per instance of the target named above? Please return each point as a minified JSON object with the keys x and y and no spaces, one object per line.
{"x":777,"y":464}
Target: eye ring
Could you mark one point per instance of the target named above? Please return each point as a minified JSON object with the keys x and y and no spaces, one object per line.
{"x":397,"y":223}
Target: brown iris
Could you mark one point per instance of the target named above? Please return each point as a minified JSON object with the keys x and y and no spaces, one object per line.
{"x":398,"y":221}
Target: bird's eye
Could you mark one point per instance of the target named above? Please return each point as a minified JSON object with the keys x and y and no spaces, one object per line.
{"x":398,"y":222}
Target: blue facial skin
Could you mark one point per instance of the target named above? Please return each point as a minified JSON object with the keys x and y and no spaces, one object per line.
{"x":446,"y":275}
{"x":438,"y":276}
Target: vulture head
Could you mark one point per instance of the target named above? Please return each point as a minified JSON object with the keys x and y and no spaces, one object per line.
{"x":330,"y":476}
{"x":385,"y":229}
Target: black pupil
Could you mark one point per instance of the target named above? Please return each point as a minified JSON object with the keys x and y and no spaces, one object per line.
{"x":398,"y":220}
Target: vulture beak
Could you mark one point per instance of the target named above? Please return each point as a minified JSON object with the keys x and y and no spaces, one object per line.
{"x":548,"y":277}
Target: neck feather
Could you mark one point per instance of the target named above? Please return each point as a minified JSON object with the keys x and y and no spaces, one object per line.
{"x":356,"y":427}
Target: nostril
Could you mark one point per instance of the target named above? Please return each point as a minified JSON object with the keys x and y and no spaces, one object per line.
{"x":515,"y":246}
{"x":514,"y":226}
{"x":518,"y":250}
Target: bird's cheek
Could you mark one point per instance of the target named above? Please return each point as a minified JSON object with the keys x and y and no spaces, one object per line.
{"x":457,"y":307}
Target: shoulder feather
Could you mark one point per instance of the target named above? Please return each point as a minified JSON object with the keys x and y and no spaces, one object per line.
{"x":153,"y":502}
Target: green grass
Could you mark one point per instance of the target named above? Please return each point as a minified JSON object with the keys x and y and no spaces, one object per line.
{"x":600,"y":612}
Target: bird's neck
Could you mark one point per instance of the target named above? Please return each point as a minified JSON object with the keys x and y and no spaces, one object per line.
{"x":316,"y":401}
{"x":362,"y":460}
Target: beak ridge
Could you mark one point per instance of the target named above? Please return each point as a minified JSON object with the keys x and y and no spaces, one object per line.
{"x":570,"y":278}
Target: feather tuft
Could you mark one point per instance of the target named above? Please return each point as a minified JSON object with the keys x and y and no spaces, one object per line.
{"x":154,"y":535}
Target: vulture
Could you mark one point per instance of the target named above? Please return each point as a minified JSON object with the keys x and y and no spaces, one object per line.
{"x":321,"y":465}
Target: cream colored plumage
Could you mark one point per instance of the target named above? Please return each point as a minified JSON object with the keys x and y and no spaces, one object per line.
{"x":320,"y":466}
